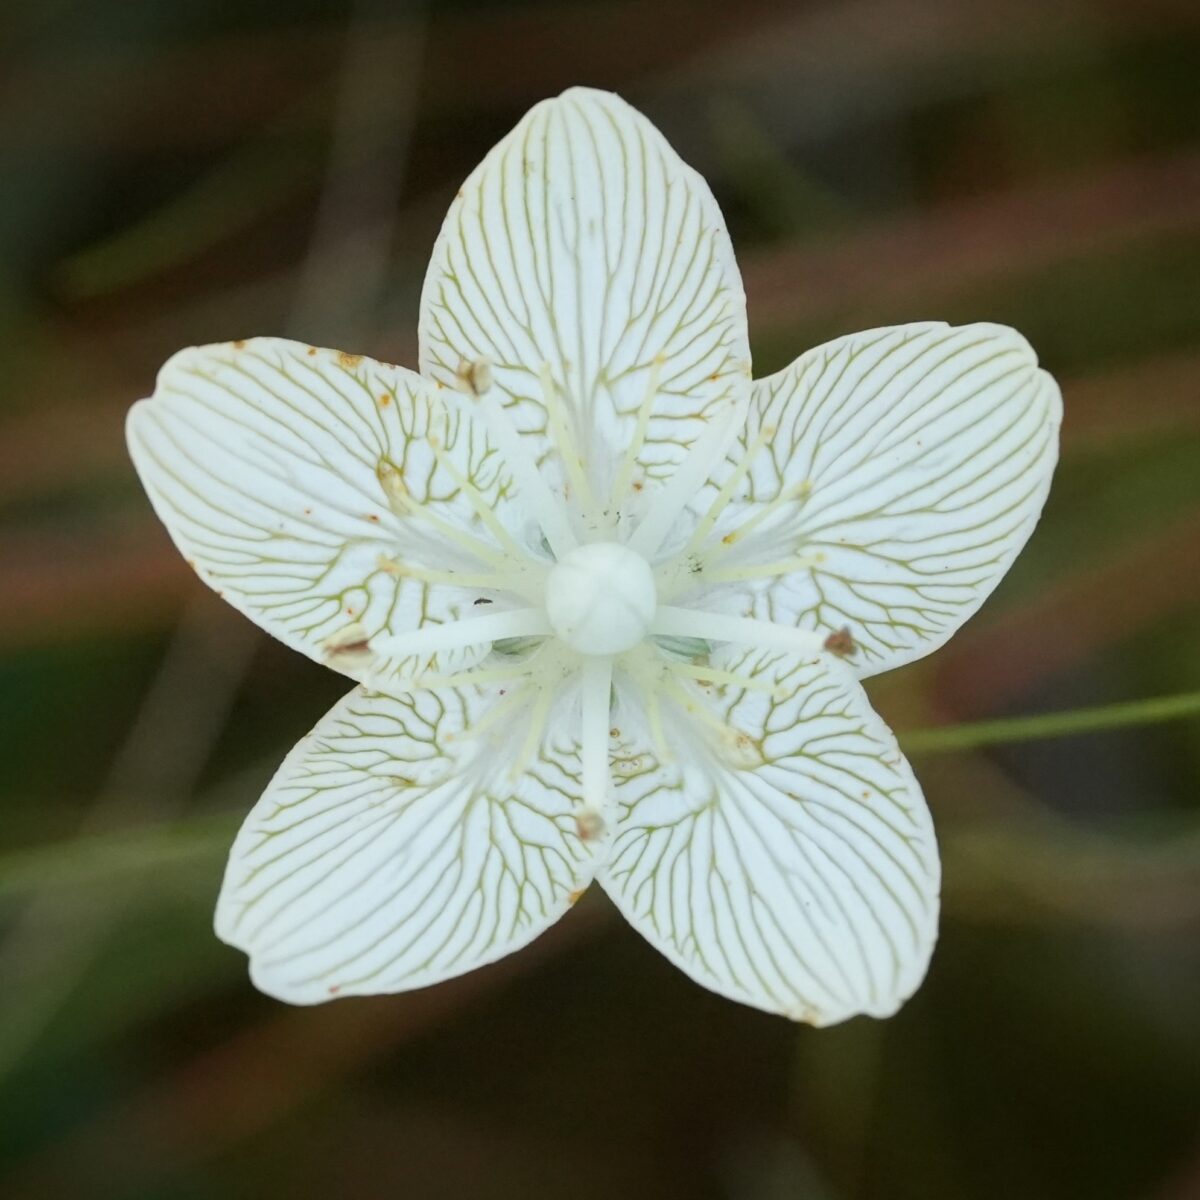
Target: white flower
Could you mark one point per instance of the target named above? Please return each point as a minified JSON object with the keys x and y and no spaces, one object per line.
{"x":607,"y":600}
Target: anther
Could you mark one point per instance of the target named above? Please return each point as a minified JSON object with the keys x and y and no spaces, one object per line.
{"x":475,"y":377}
{"x":841,"y":643}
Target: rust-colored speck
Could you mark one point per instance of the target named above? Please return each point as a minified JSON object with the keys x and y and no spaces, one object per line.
{"x":308,"y":512}
{"x":385,"y":400}
{"x":841,"y":643}
{"x":638,"y":485}
{"x":349,"y":361}
{"x":239,"y":344}
{"x":311,"y":351}
{"x":574,"y":897}
{"x":373,"y":517}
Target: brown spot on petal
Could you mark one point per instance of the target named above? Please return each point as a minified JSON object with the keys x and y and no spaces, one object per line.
{"x":349,"y":361}
{"x":574,"y":897}
{"x":385,"y":400}
{"x":239,"y":344}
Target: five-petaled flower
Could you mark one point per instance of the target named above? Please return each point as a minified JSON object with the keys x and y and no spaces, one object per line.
{"x":607,"y":600}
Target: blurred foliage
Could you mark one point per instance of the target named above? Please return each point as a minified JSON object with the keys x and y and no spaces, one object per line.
{"x":201,"y":170}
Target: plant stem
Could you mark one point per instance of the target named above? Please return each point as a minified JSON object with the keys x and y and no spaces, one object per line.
{"x":974,"y":734}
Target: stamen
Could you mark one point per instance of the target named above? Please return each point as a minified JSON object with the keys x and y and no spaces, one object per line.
{"x":739,"y":747}
{"x":731,"y":678}
{"x":537,"y":724}
{"x":658,"y":738}
{"x":625,"y":474}
{"x":594,"y":744}
{"x":539,"y":501}
{"x":501,"y":709}
{"x":420,"y":683}
{"x":405,"y":506}
{"x":785,"y":566}
{"x":466,"y":632}
{"x":559,"y":419}
{"x":511,"y":581}
{"x":798,"y":491}
{"x":717,"y":627}
{"x":476,"y":499}
{"x":706,"y":451}
{"x":725,"y":495}
{"x":649,"y":676}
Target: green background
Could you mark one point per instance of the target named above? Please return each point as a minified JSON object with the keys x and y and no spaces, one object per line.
{"x":183,"y":171}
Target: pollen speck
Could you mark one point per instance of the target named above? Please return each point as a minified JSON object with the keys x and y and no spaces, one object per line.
{"x":385,"y":400}
{"x":311,"y":351}
{"x":574,"y":897}
{"x":239,"y":344}
{"x":349,"y":361}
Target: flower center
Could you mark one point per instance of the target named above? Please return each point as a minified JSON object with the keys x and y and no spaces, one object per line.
{"x":600,"y":598}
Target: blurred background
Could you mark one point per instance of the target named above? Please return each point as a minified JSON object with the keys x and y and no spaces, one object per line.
{"x":184,"y":171}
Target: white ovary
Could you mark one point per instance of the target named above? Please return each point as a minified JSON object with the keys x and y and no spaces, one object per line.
{"x":601,"y":598}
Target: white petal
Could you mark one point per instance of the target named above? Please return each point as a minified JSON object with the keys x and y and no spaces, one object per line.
{"x":921,"y":457}
{"x":393,"y":850}
{"x":787,"y":860}
{"x":583,"y":242}
{"x":263,"y":458}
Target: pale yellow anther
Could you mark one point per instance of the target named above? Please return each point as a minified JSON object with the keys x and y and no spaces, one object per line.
{"x":392,"y":482}
{"x":475,"y":377}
